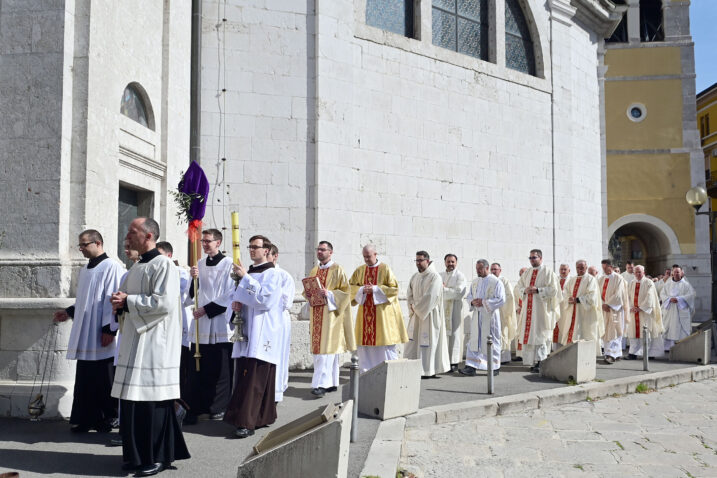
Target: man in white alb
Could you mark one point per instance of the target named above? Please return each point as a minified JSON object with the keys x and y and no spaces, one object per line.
{"x":454,"y":289}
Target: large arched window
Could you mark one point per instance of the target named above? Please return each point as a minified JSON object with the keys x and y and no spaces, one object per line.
{"x":135,"y":105}
{"x":462,"y":26}
{"x":519,"y":53}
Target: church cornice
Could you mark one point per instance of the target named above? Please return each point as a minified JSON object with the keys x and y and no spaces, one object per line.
{"x":598,"y":15}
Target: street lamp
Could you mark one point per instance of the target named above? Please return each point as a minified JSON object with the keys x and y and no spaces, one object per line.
{"x":696,"y":197}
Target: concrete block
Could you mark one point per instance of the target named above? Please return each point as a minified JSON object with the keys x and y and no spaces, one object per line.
{"x":322,"y":451}
{"x":423,"y":417}
{"x":702,"y":373}
{"x":693,"y":348}
{"x":385,"y":452}
{"x":672,"y":377}
{"x":561,"y":396}
{"x":571,"y":363}
{"x":391,"y":389}
{"x":517,"y":403}
{"x":456,"y":412}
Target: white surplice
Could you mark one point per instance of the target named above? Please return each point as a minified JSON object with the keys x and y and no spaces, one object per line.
{"x":583,"y":320}
{"x":454,"y":290}
{"x":539,"y":312}
{"x":650,"y":314}
{"x":93,"y":311}
{"x":485,"y":321}
{"x":677,"y":316}
{"x":427,"y":325}
{"x":149,"y":356}
{"x":288,"y":290}
{"x":217,"y":286}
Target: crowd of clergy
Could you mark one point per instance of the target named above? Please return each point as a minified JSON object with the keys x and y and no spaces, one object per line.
{"x":137,"y":334}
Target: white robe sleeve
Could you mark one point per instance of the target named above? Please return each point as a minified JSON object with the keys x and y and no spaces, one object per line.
{"x":498,"y":298}
{"x":378,"y":296}
{"x":260,"y":295}
{"x":149,"y":310}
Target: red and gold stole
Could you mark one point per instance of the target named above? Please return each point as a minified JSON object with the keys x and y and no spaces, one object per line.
{"x":575,"y":308}
{"x":318,"y":315}
{"x":637,"y":314}
{"x":529,"y":311}
{"x":369,"y":308}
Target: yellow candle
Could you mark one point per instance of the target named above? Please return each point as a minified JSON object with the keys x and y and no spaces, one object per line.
{"x":236,"y":249}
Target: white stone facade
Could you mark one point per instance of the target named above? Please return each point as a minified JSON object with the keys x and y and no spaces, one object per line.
{"x":65,"y":149}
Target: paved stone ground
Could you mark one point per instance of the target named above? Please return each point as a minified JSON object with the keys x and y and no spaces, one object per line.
{"x":670,"y":433}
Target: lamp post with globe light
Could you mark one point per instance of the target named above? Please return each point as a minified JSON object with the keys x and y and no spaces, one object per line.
{"x":696,"y":197}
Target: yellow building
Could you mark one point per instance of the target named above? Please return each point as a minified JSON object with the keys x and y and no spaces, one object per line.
{"x":652,"y":149}
{"x":706,"y":111}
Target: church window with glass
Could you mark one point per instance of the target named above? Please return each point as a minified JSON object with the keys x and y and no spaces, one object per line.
{"x":392,"y":15}
{"x":462,"y":26}
{"x":134,"y":107}
{"x":519,"y":53}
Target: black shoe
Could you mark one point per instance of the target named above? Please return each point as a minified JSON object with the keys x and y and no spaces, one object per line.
{"x":468,"y":371}
{"x":331,"y":389}
{"x":428,"y":376}
{"x":319,"y":392}
{"x":631,"y":357}
{"x":609,"y":360}
{"x":104,"y":427}
{"x":454,"y":368}
{"x":496,"y":372}
{"x":243,"y":433}
{"x":116,"y":442}
{"x":149,"y":470}
{"x":191,"y":419}
{"x":115,"y":422}
{"x":516,"y":359}
{"x":535,"y":368}
{"x":217,"y":416}
{"x":79,"y":429}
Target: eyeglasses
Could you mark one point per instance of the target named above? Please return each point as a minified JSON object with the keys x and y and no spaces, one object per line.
{"x":533,"y":257}
{"x":208,"y":241}
{"x":420,"y":260}
{"x":255,"y":247}
{"x":319,"y":249}
{"x":83,"y":245}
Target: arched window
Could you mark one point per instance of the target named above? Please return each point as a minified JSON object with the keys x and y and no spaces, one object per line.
{"x":462,"y":26}
{"x":519,"y":53}
{"x":135,"y":106}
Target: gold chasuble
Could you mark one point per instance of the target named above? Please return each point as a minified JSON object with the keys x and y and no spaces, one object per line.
{"x":378,"y":324}
{"x":332,"y":331}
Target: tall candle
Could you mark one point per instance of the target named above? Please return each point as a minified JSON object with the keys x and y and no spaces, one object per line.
{"x":236,"y":248}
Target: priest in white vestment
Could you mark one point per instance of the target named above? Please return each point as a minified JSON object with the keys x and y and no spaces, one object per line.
{"x":644,"y":311}
{"x":454,"y":290}
{"x":539,"y":289}
{"x":259,"y":297}
{"x":508,"y":321}
{"x":288,"y":290}
{"x":678,"y":307}
{"x":564,"y":271}
{"x":615,"y":306}
{"x":211,"y":385}
{"x":427,"y":325}
{"x":629,"y":273}
{"x":486,"y":296}
{"x":92,"y":342}
{"x":580,"y":317}
{"x":147,"y":375}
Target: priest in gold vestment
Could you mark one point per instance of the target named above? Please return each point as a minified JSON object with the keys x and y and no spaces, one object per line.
{"x":330,"y":324}
{"x":379,"y":320}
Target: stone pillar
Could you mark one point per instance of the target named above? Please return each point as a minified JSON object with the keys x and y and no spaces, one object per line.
{"x":633,"y":21}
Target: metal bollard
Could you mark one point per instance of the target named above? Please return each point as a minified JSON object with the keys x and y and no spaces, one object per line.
{"x":354,"y":379}
{"x":490,"y":364}
{"x":645,"y":345}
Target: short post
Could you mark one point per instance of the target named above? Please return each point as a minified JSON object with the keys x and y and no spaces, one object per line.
{"x":354,"y":382}
{"x":489,"y":358}
{"x":645,"y":345}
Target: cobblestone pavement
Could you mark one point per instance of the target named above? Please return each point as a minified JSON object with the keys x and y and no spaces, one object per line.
{"x":670,"y":433}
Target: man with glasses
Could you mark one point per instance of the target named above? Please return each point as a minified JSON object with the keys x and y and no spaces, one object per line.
{"x":427,"y":322}
{"x":379,"y":320}
{"x":539,"y":290}
{"x":210,"y":387}
{"x":92,"y":341}
{"x":258,"y":296}
{"x":330,"y":324}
